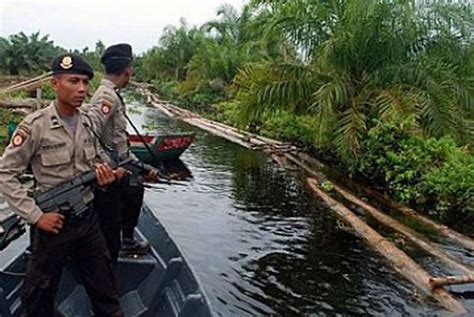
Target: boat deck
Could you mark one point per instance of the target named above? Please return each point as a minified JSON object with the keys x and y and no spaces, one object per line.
{"x":160,"y":283}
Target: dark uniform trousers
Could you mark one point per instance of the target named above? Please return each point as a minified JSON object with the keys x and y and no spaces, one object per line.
{"x":83,"y":241}
{"x":119,"y":209}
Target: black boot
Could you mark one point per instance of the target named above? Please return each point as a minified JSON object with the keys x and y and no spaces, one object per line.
{"x":133,"y":246}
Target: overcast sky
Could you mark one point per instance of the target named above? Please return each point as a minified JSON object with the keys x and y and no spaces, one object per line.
{"x":80,"y":23}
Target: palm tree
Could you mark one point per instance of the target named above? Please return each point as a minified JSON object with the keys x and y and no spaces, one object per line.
{"x":178,"y":47}
{"x":29,"y":53}
{"x":362,"y":60}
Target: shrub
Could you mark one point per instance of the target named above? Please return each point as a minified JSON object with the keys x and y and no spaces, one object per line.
{"x":226,"y":112}
{"x":47,"y":91}
{"x":432,"y":174}
{"x":287,"y":126}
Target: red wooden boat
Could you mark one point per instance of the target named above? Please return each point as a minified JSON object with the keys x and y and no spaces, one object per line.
{"x":165,"y":146}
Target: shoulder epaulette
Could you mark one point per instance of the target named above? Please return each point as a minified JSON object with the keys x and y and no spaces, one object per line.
{"x":32,"y":117}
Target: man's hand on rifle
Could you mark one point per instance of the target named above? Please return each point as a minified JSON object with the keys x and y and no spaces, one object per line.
{"x":50,"y":222}
{"x":152,"y":176}
{"x":120,"y":173}
{"x":105,"y":175}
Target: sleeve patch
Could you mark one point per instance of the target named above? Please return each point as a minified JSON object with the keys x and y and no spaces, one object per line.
{"x":105,"y":107}
{"x":21,"y":134}
{"x":18,"y":140}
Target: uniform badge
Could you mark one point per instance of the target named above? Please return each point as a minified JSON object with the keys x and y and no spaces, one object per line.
{"x":66,"y":62}
{"x":18,"y":140}
{"x":20,"y":135}
{"x":105,"y":108}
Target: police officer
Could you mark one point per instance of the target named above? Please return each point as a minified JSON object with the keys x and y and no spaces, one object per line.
{"x":59,"y":147}
{"x":120,"y":208}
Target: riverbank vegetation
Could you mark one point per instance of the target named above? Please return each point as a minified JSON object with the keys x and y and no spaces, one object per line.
{"x":382,"y":90}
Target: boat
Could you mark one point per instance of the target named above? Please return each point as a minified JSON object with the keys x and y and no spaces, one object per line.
{"x":165,"y":146}
{"x":160,"y":283}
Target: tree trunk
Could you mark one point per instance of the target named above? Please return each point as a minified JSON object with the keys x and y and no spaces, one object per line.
{"x":403,"y":264}
{"x":413,"y":236}
{"x":445,"y":231}
{"x":451,"y":280}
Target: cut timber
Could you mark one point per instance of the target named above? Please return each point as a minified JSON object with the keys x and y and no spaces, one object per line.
{"x":413,"y":236}
{"x":30,"y":83}
{"x":416,"y":238}
{"x":400,"y":261}
{"x":24,"y":103}
{"x":451,"y":280}
{"x":457,"y":237}
{"x":182,"y":113}
{"x":445,"y":231}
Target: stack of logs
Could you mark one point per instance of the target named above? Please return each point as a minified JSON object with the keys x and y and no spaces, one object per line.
{"x":285,"y":154}
{"x":26,"y":104}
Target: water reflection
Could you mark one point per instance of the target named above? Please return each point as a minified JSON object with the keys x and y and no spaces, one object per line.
{"x":262,"y":245}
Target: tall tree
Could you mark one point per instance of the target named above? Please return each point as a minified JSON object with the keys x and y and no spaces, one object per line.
{"x":21,"y":52}
{"x":361,"y":60}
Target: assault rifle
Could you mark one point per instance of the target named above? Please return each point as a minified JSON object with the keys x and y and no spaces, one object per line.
{"x":66,"y":198}
{"x":137,"y":167}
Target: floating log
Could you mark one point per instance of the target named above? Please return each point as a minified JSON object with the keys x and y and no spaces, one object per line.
{"x":413,"y":236}
{"x":451,"y":280}
{"x":163,"y":109}
{"x":185,"y":113}
{"x":442,"y":230}
{"x":399,"y":260}
{"x":451,"y":234}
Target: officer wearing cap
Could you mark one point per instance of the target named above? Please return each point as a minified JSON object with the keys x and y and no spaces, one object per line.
{"x":120,"y":207}
{"x":59,"y":147}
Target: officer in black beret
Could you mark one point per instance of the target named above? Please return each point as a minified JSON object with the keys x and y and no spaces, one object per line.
{"x":59,"y":148}
{"x":109,"y":111}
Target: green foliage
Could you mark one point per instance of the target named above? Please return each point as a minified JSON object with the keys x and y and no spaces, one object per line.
{"x":203,"y":60}
{"x":451,"y":186}
{"x":93,"y":57}
{"x":169,"y":60}
{"x":284,"y":125}
{"x":23,"y":53}
{"x":364,"y":59}
{"x":166,"y":89}
{"x":327,"y":186}
{"x":47,"y":91}
{"x":6,"y":117}
{"x":95,"y":82}
{"x":18,"y":94}
{"x":434,"y":174}
{"x":226,"y":112}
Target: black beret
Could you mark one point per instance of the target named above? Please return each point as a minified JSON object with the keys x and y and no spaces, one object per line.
{"x":71,"y":63}
{"x":121,"y":53}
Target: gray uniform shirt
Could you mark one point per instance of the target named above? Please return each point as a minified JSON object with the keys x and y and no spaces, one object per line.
{"x":108,"y":113}
{"x":55,"y":155}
